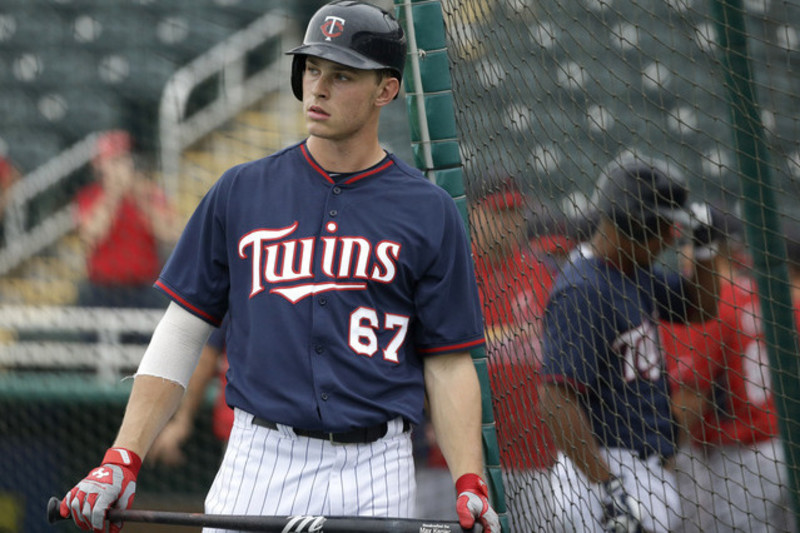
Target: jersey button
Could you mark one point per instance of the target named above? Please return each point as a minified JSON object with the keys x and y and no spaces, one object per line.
{"x":324,"y":396}
{"x":333,"y":212}
{"x":323,"y":300}
{"x":337,"y":190}
{"x":319,"y":348}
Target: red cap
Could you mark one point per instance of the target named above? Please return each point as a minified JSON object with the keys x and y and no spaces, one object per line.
{"x":553,"y":244}
{"x":506,"y":196}
{"x":112,"y":144}
{"x":7,"y":173}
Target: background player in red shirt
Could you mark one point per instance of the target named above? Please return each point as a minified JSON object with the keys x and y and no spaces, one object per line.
{"x":514,"y":277}
{"x":515,"y":273}
{"x":9,"y":176}
{"x":125,"y":221}
{"x":730,"y":472}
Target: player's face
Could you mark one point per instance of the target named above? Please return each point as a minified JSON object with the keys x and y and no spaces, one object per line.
{"x":117,"y":172}
{"x":497,"y":231}
{"x":340,"y":101}
{"x":647,"y":251}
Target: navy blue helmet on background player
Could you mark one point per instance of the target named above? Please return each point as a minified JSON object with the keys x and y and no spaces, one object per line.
{"x":636,"y":194}
{"x":633,"y":192}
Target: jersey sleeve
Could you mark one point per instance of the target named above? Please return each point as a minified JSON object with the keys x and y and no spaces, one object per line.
{"x":446,"y":297}
{"x":196,"y":274}
{"x":574,"y":336}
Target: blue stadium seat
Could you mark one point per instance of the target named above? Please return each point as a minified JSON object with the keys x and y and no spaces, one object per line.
{"x":246,"y":11}
{"x":135,"y":73}
{"x":30,"y":147}
{"x":65,"y":66}
{"x":30,"y":27}
{"x":110,"y":26}
{"x":181,"y":37}
{"x":18,"y":108}
{"x":85,"y":110}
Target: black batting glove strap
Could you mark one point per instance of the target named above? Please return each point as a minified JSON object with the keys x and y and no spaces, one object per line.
{"x":620,"y":511}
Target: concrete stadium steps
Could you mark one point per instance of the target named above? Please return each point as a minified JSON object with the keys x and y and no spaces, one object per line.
{"x":27,"y":291}
{"x":55,"y":267}
{"x":251,"y":135}
{"x":47,"y":279}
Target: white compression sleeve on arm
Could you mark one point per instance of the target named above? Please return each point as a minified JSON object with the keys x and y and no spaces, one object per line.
{"x":176,"y":346}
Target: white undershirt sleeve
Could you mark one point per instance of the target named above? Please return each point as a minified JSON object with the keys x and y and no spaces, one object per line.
{"x":176,"y":346}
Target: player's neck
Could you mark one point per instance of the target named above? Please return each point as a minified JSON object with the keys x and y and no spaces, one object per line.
{"x":345,"y":156}
{"x":608,"y":248}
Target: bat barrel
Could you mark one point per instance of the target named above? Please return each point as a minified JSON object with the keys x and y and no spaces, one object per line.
{"x":322,"y":524}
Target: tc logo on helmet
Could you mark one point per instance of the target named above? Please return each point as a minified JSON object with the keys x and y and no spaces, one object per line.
{"x":332,"y":27}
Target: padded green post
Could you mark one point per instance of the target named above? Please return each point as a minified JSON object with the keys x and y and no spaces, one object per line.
{"x":445,"y":153}
{"x":434,"y":141}
{"x":439,"y":114}
{"x":451,"y":180}
{"x":763,"y":231}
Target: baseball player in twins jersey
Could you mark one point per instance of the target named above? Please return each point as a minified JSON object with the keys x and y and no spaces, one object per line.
{"x":352,"y":299}
{"x":605,"y":395}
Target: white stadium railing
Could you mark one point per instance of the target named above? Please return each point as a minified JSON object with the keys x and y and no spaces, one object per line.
{"x":109,"y":356}
{"x":177,"y":131}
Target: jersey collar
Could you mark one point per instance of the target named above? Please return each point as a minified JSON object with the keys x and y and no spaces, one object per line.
{"x":380,"y":167}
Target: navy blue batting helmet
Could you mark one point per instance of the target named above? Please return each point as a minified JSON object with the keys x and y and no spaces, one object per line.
{"x":351,"y":33}
{"x":636,"y":194}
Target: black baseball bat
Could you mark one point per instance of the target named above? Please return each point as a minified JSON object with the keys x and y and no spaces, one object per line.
{"x":268,"y":524}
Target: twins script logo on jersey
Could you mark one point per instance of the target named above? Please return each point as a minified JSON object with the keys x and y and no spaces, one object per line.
{"x":640,"y":352}
{"x":349,"y":262}
{"x":332,"y":27}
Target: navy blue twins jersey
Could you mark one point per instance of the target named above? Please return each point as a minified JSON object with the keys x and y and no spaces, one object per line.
{"x":600,"y":336}
{"x":336,"y":288}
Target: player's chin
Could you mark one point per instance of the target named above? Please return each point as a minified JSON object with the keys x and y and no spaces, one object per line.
{"x":322,"y":132}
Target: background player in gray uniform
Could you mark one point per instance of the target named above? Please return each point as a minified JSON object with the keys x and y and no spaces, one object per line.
{"x":352,"y":298}
{"x":605,"y":394}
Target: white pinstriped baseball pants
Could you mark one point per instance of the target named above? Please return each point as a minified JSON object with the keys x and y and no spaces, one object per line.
{"x":734,"y":488}
{"x":273,"y":472}
{"x":577,"y":502}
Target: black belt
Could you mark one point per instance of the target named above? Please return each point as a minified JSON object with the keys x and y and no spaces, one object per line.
{"x":354,"y":436}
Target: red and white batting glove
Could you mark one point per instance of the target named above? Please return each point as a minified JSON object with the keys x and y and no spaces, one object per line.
{"x":472,"y":504}
{"x":111,"y":485}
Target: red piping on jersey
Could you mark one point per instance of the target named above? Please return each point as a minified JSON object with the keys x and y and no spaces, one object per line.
{"x":186,"y":304}
{"x":452,"y":347}
{"x":314,"y":164}
{"x":557,"y":379}
{"x":355,"y":178}
{"x":370,"y":172}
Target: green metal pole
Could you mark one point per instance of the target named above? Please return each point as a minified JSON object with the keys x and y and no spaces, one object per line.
{"x":436,"y":152}
{"x":763,"y":231}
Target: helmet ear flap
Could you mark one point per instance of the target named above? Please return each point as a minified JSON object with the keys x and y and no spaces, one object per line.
{"x":298,"y":67}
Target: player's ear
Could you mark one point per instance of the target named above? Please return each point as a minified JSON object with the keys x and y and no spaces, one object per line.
{"x":388,"y":87}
